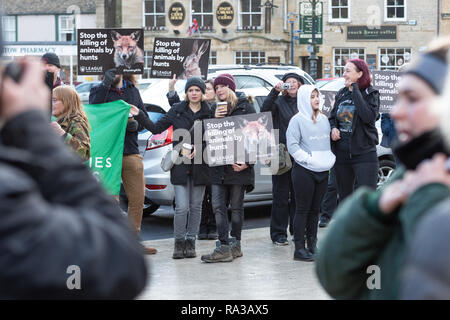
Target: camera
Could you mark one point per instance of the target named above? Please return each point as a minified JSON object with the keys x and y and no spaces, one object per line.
{"x":285,"y":86}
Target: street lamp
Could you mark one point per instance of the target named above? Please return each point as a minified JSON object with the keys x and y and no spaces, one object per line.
{"x":313,"y":57}
{"x":292,"y":18}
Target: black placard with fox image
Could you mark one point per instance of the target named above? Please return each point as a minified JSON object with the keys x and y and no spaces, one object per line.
{"x":185,"y":57}
{"x":102,"y":49}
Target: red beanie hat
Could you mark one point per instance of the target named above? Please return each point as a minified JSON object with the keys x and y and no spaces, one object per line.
{"x":225,"y":79}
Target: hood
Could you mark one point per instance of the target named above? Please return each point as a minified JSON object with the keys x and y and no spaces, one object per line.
{"x":304,"y":100}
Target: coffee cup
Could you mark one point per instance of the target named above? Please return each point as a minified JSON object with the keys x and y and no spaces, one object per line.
{"x":186,"y":150}
{"x":222,"y":106}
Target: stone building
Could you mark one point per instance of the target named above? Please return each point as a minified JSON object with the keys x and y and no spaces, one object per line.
{"x":445,"y":17}
{"x":386,"y":33}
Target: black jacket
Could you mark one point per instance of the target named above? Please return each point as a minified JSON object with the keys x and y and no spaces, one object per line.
{"x":364,"y":136}
{"x":180,"y":116}
{"x":103,"y":94}
{"x":54,"y":214}
{"x":283,"y":108}
{"x":225,"y":174}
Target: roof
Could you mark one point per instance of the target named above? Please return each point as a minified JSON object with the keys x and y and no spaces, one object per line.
{"x":23,"y":7}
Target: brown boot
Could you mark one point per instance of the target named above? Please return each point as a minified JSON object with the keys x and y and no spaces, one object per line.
{"x":149,"y":250}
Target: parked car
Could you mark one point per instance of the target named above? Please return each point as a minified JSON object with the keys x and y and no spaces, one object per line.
{"x":83,"y":90}
{"x":143,"y":84}
{"x":321,"y":82}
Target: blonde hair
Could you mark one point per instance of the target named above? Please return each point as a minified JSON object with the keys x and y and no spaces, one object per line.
{"x":232,"y":99}
{"x":71,"y":102}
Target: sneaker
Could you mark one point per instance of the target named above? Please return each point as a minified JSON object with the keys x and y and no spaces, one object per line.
{"x":213,"y":236}
{"x":202,"y":236}
{"x":281,"y":242}
{"x":236,"y":248}
{"x":221,"y":253}
{"x":324,"y":221}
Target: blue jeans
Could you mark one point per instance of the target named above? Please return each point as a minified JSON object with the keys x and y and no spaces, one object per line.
{"x":220,"y":195}
{"x":188,"y":210}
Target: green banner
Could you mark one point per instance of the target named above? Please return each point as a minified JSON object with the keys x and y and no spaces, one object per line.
{"x":108,"y":123}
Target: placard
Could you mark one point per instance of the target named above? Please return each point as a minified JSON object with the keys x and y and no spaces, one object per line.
{"x":386,"y":82}
{"x":185,"y":57}
{"x":102,"y":49}
{"x":245,"y":138}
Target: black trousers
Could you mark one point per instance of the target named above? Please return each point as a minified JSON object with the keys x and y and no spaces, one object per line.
{"x":329,"y":202}
{"x":310,"y":188}
{"x":352,"y":175}
{"x":208,"y":221}
{"x":283,"y":206}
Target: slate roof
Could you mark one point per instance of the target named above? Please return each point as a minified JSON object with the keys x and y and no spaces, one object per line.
{"x":20,"y":7}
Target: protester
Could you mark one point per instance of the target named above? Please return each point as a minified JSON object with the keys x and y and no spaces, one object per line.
{"x":189,"y":179}
{"x":52,"y":65}
{"x":71,"y":122}
{"x":374,"y":228}
{"x":229,"y":182}
{"x":122,"y":87}
{"x":308,"y":141}
{"x":56,"y":221}
{"x":208,"y":228}
{"x":283,"y":108}
{"x":426,"y":274}
{"x":353,"y":130}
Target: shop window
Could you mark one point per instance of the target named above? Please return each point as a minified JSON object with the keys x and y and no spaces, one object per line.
{"x":9,"y":28}
{"x":249,"y":57}
{"x":213,"y":57}
{"x":250,"y":14}
{"x":392,"y":59}
{"x":395,"y":10}
{"x":154,"y":15}
{"x":66,"y":28}
{"x":341,"y":55}
{"x":339,"y":10}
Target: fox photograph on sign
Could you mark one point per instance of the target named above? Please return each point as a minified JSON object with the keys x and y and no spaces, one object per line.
{"x":183,"y":57}
{"x":103,"y":49}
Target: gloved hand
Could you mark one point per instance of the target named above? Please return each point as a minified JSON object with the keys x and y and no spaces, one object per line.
{"x":132,"y":126}
{"x":109,"y":77}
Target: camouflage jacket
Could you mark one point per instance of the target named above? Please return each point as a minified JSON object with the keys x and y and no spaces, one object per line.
{"x":77,"y":136}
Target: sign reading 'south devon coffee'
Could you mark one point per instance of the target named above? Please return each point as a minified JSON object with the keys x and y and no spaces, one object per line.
{"x":225,"y":14}
{"x":176,"y":14}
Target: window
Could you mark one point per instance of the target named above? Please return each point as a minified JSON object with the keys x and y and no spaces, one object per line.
{"x":250,"y":15}
{"x":341,"y":55}
{"x":339,"y":10}
{"x":66,"y":28}
{"x":202,"y":10}
{"x":154,"y":15}
{"x":391,"y":59}
{"x":248,"y":82}
{"x":148,"y":54}
{"x":213,"y":57}
{"x":249,"y":57}
{"x":395,"y":10}
{"x":9,"y":28}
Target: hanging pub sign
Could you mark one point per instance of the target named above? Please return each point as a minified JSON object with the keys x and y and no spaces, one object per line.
{"x":225,"y":14}
{"x":176,"y":14}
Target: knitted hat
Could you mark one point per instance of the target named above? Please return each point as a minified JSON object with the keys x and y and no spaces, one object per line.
{"x":51,"y":58}
{"x":225,"y":79}
{"x":195,"y":81}
{"x":293,"y":75}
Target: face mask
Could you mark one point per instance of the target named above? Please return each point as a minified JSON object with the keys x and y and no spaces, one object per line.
{"x":420,"y":148}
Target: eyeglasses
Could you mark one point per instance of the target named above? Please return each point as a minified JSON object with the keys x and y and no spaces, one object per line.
{"x":55,"y":100}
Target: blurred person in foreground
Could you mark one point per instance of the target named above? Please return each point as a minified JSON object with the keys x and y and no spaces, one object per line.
{"x":71,"y":122}
{"x":54,"y":214}
{"x":427,"y":267}
{"x":373,"y":229}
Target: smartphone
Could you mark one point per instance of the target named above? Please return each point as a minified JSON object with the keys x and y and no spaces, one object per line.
{"x":285,"y":86}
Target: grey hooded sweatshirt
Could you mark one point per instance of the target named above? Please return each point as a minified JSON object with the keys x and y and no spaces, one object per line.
{"x":309,"y":142}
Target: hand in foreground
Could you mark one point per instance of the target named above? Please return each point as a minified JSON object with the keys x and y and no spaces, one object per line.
{"x":58,"y":130}
{"x":335,"y":134}
{"x":238,"y":167}
{"x":172,"y":83}
{"x":30,"y":93}
{"x":134,"y":110}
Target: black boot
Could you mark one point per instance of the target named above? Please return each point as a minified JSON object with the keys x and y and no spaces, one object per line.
{"x":190,"y":249}
{"x":300,"y":252}
{"x":180,"y":247}
{"x":311,"y":232}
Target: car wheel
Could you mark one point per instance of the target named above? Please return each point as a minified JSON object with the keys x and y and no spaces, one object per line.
{"x":149,"y":208}
{"x":385,"y":171}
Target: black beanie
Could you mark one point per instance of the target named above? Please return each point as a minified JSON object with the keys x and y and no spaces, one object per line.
{"x":293,"y":75}
{"x":195,"y":81}
{"x":51,"y":58}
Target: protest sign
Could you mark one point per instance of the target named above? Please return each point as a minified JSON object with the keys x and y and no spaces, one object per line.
{"x":108,"y":122}
{"x":327,"y":101}
{"x":185,"y":57}
{"x":102,"y":49}
{"x":386,"y":82}
{"x":245,"y":138}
